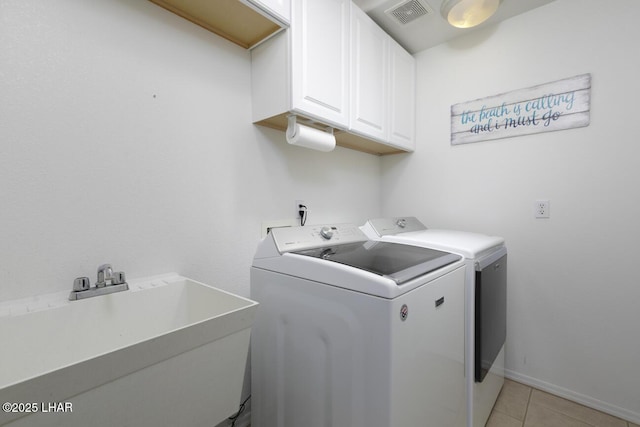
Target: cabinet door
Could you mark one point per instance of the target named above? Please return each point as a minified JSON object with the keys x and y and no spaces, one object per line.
{"x":320,"y":59}
{"x":402,"y":97}
{"x":370,"y":74}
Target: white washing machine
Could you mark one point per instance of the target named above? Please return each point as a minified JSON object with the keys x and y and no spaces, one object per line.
{"x":355,"y":333}
{"x":486,"y":302}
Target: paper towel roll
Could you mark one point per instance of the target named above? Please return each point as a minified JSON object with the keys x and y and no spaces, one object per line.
{"x":305,"y":136}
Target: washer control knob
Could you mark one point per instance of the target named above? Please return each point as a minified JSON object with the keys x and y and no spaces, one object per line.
{"x":401,"y":222}
{"x":326,"y":232}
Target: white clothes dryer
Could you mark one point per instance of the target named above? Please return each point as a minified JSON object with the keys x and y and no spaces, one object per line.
{"x":485,"y":302}
{"x":355,"y":333}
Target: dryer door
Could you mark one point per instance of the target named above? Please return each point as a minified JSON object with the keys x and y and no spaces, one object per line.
{"x":491,"y":311}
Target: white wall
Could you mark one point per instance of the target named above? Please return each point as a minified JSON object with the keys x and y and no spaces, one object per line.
{"x":126,"y":137}
{"x":574,"y":294}
{"x":94,"y":168}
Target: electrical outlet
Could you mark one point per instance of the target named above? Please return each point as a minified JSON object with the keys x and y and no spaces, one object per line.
{"x":541,"y":209}
{"x":297,"y":208}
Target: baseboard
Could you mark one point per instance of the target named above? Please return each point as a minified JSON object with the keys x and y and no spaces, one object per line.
{"x":582,"y":399}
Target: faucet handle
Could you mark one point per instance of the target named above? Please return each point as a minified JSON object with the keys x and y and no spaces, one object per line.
{"x":119,"y":278}
{"x":81,"y":284}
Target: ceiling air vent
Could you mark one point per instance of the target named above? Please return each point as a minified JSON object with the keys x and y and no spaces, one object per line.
{"x":408,"y":11}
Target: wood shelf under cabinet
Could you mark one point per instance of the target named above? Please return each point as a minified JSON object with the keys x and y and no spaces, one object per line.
{"x":230,"y":19}
{"x":343,"y":139}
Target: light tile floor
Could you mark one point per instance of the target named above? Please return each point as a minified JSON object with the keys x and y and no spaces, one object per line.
{"x":519,"y":405}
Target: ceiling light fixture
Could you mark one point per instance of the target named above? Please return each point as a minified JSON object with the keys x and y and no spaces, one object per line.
{"x":468,"y":13}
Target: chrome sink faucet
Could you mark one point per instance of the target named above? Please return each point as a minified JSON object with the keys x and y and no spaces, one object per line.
{"x":105,"y":275}
{"x":108,"y":282}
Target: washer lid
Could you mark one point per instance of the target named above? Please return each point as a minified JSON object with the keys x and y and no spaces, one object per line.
{"x":469,"y":245}
{"x":395,"y":261}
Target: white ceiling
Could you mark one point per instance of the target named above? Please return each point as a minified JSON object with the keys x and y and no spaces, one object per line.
{"x":431,"y":29}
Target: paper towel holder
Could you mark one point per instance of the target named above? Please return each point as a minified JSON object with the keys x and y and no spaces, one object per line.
{"x":291,"y":126}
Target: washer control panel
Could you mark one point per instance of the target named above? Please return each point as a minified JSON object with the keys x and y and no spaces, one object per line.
{"x":326,"y":232}
{"x":289,"y":239}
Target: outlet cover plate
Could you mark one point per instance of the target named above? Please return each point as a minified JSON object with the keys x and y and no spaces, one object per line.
{"x":541,"y":209}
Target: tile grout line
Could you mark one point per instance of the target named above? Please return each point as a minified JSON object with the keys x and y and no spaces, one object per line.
{"x":555,"y":410}
{"x":526,"y":409}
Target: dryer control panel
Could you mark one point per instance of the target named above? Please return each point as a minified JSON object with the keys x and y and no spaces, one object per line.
{"x":379,"y":227}
{"x":289,"y":239}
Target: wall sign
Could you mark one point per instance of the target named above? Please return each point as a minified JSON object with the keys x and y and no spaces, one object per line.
{"x":563,"y":104}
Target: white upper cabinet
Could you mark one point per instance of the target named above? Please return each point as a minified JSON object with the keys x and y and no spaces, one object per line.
{"x":336,"y":67}
{"x":370,"y":75}
{"x":305,"y":70}
{"x":382,"y":85}
{"x":320,"y":59}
